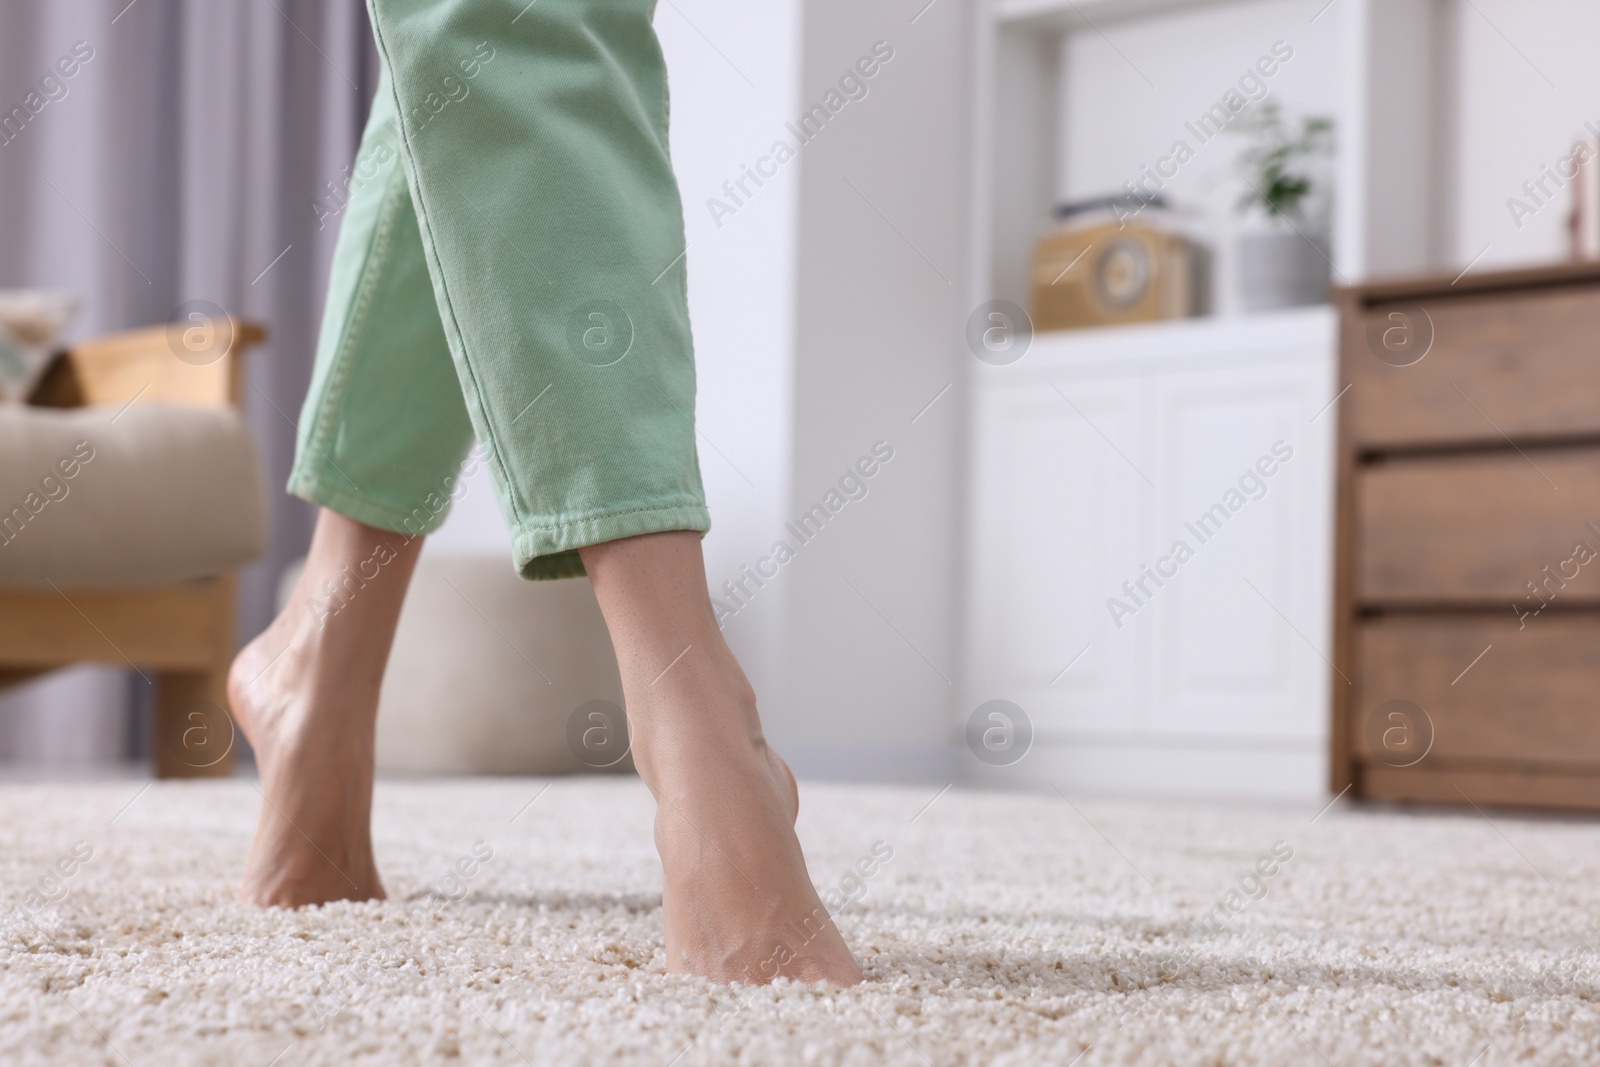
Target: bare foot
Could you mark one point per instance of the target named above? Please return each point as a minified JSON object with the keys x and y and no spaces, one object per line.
{"x":313,"y":843}
{"x":305,"y":693}
{"x":737,"y":903}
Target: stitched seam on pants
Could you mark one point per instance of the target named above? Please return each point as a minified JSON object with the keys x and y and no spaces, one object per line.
{"x":344,"y":355}
{"x":601,"y":515}
{"x":666,"y":148}
{"x":425,"y":225}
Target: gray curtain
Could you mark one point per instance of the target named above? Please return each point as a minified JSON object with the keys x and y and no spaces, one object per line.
{"x":184,"y":159}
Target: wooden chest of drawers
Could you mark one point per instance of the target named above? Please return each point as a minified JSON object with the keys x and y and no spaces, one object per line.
{"x":1467,"y":587}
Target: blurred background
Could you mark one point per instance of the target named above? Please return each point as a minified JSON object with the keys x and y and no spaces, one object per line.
{"x":1066,"y":264}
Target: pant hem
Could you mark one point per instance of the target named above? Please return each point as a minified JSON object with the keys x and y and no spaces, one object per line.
{"x":545,"y":552}
{"x":362,"y":508}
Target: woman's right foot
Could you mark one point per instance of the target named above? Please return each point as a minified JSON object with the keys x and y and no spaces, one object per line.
{"x":737,"y":902}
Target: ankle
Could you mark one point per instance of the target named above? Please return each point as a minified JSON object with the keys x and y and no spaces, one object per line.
{"x":699,"y":692}
{"x":343,"y":644}
{"x":293,"y":683}
{"x":678,"y":749}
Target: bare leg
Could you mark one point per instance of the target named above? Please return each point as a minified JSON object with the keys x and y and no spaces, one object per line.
{"x":305,"y":692}
{"x":736,"y":899}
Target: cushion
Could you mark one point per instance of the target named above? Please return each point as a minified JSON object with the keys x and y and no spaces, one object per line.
{"x":106,"y":497}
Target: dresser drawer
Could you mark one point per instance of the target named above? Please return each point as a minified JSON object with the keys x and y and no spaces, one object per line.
{"x":1524,"y":364}
{"x":1533,"y":698}
{"x":1478,"y":528}
{"x":1529,"y":787}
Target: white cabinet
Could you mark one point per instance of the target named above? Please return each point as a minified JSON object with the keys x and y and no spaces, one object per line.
{"x":1093,"y":453}
{"x":1153,"y":507}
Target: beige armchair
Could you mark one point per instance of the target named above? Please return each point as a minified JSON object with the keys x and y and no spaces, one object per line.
{"x":130,"y":492}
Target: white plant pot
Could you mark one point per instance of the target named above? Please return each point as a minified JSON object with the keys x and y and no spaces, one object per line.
{"x":1280,"y":270}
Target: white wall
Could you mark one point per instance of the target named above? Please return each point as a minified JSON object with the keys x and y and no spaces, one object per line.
{"x":1514,"y":83}
{"x":1524,"y":81}
{"x":1164,"y":72}
{"x":735,"y":70}
{"x":873,"y":634}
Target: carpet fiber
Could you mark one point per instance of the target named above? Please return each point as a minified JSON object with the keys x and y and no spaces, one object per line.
{"x":524,"y":919}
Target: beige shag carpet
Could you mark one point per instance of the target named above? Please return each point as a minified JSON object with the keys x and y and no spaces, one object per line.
{"x":524,"y":928}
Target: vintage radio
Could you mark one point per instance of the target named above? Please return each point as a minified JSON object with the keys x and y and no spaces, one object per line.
{"x":1093,"y":272}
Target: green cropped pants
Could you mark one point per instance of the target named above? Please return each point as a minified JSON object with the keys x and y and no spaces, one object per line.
{"x":510,"y":267}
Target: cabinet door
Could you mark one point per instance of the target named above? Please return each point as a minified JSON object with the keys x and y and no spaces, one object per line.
{"x":1057,"y":503}
{"x":1238,"y":635}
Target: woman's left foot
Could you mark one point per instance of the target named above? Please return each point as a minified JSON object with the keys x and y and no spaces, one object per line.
{"x":305,"y":692}
{"x":313,"y":746}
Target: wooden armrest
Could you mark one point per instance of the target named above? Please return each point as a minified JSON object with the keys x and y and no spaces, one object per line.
{"x":184,"y":363}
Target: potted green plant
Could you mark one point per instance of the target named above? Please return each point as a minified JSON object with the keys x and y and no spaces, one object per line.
{"x":1285,"y":263}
